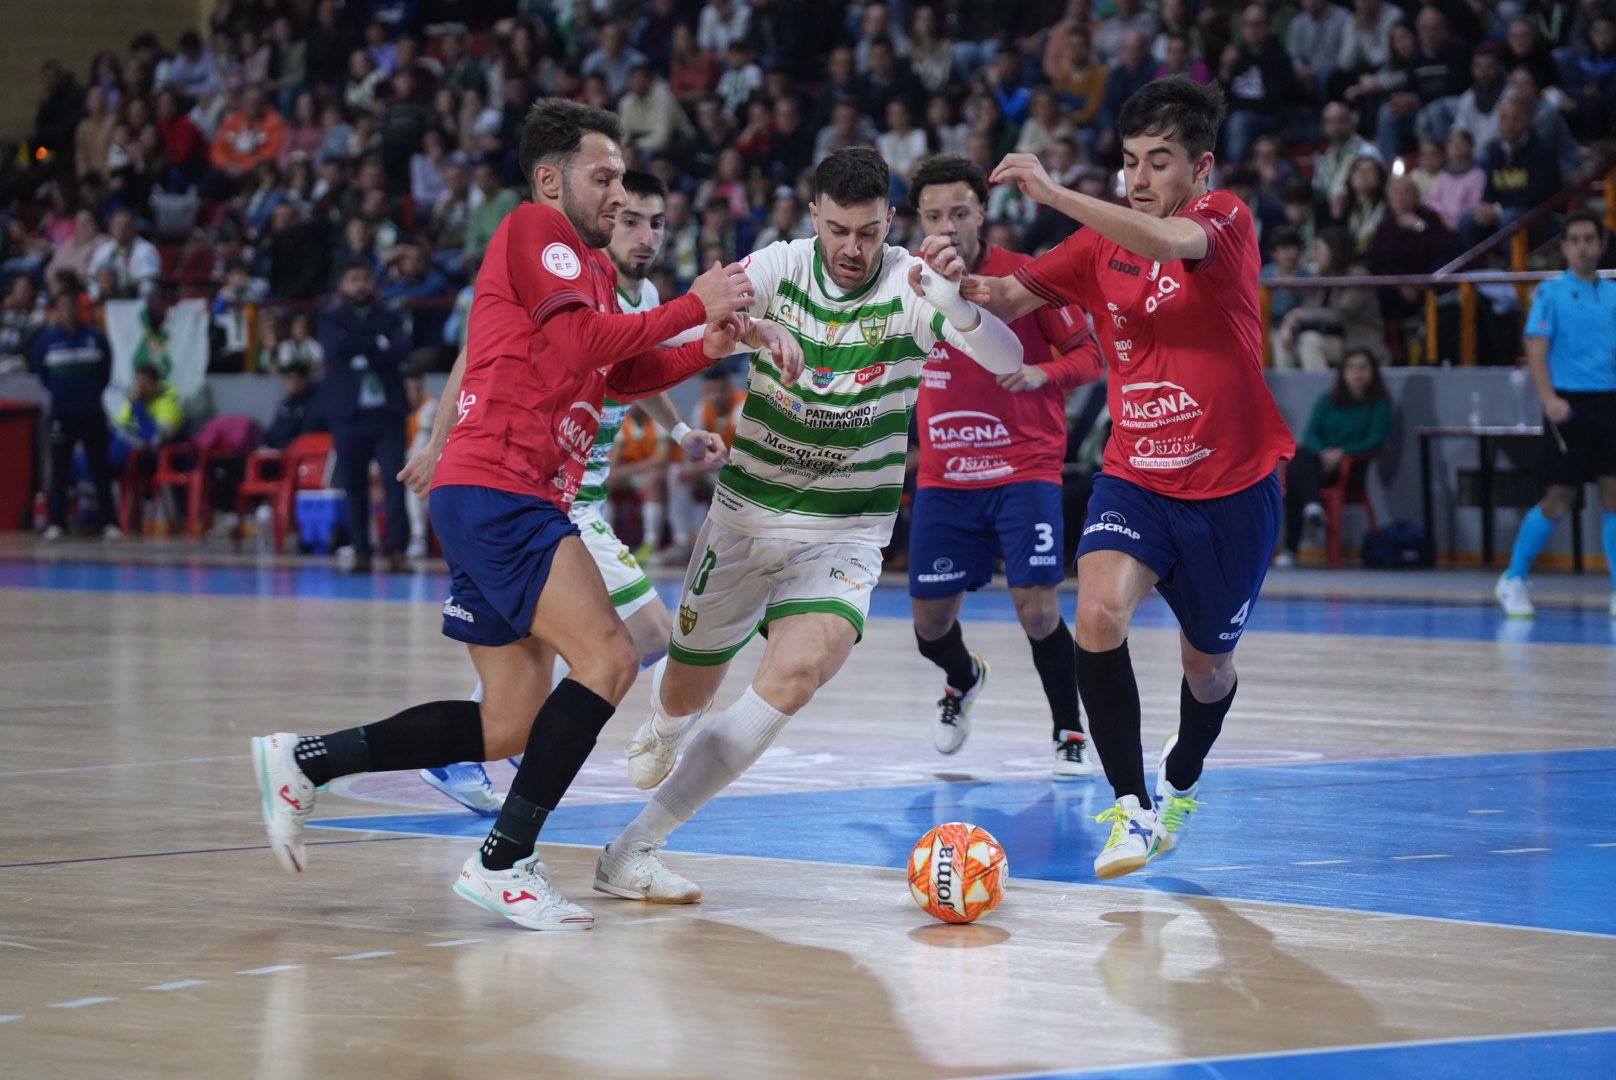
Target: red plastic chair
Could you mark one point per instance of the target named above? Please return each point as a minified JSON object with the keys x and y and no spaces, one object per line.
{"x":184,"y":465}
{"x":134,"y":488}
{"x":278,"y":475}
{"x":1350,"y":489}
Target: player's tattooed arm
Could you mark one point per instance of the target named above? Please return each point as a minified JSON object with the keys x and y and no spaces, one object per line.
{"x":417,"y":472}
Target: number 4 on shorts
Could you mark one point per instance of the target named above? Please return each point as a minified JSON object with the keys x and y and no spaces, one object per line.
{"x":1240,"y":616}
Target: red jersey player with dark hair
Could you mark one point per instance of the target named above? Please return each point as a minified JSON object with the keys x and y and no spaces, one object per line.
{"x":547,"y":343}
{"x":1188,"y":502}
{"x":991,"y":459}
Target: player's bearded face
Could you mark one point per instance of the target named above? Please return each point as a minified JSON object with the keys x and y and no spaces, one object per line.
{"x":592,"y":189}
{"x":1160,"y":175}
{"x":637,"y":237}
{"x":850,"y":238}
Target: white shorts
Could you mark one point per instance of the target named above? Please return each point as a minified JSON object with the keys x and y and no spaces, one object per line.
{"x":630,"y":589}
{"x":737,"y":583}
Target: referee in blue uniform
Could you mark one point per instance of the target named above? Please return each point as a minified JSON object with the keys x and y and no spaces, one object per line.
{"x":1571,"y":347}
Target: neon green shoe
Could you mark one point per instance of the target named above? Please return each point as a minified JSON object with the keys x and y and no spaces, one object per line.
{"x":1173,"y":807}
{"x":1136,"y":839}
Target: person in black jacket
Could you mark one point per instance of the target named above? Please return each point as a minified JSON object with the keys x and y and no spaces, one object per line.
{"x":74,"y":362}
{"x":1258,"y":77}
{"x":363,"y":396}
{"x":1522,"y":173}
{"x":299,"y":412}
{"x":294,"y":256}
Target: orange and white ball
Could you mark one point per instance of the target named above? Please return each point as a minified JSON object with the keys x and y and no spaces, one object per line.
{"x":957,"y":872}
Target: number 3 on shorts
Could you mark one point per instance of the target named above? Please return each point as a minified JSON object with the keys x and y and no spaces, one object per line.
{"x":1046,"y":537}
{"x":708,"y":561}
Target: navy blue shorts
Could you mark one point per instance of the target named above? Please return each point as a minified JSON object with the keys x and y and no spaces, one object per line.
{"x":499,"y":548}
{"x":957,"y":536}
{"x":1211,"y":554}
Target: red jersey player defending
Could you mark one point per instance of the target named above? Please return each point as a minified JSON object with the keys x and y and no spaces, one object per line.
{"x":1188,"y":502}
{"x":547,"y":343}
{"x":991,"y":452}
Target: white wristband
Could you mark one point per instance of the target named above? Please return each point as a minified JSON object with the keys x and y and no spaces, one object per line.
{"x":944,"y":295}
{"x":680,"y":430}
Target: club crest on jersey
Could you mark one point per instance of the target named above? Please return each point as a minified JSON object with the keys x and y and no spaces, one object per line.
{"x":561,"y":261}
{"x":870,"y":374}
{"x":626,"y":559}
{"x":687,"y":618}
{"x":823,"y":377}
{"x":874,"y":329}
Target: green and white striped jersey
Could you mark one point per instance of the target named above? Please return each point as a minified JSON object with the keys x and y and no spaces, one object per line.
{"x":612,"y":413}
{"x":825,"y":457}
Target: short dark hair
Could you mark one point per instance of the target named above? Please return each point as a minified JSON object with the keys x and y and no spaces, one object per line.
{"x":1341,"y":397}
{"x":947,"y":169}
{"x":1175,"y":108}
{"x":853,"y":175}
{"x":1285,"y":238}
{"x":1592,"y":217}
{"x":555,"y":129}
{"x":643,"y":185}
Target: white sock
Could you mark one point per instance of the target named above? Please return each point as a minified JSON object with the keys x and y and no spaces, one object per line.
{"x":662,"y":722}
{"x":718,"y":753}
{"x":653,"y":524}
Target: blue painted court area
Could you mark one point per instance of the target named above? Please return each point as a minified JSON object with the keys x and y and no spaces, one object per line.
{"x":1581,"y":1055}
{"x":1512,"y":839}
{"x":1274,"y":614}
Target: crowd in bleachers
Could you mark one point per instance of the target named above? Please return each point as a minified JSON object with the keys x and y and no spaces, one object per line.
{"x":254,"y":161}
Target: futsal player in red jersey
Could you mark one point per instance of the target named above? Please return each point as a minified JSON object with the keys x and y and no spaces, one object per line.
{"x":1188,"y":502}
{"x":992,"y":449}
{"x":547,"y":343}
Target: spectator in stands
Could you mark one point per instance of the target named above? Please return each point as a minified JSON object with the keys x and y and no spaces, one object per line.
{"x":292,"y":257}
{"x":786,"y":219}
{"x":741,"y":78}
{"x":1528,"y":49}
{"x":1410,"y":240}
{"x":424,"y":290}
{"x":692,"y":71}
{"x":249,"y":136}
{"x":402,"y":123}
{"x":1521,"y":174}
{"x":427,"y":169}
{"x":721,"y":22}
{"x":365,"y":348}
{"x":305,"y":133}
{"x":364,"y":77}
{"x":229,"y":312}
{"x":888,"y":79}
{"x":184,"y":146}
{"x":301,"y":346}
{"x":1314,"y":41}
{"x":1177,"y":59}
{"x":77,"y":253}
{"x":1075,"y":74}
{"x":451,"y":214}
{"x":931,"y":54}
{"x":1045,"y":123}
{"x":1132,"y":71}
{"x":903,"y":144}
{"x":875,"y":24}
{"x":190,"y":71}
{"x":93,"y":137}
{"x":681,"y":250}
{"x":337,"y":142}
{"x":1354,"y":417}
{"x":1343,"y":147}
{"x":1007,"y":84}
{"x":1338,"y":320}
{"x":1361,"y":207}
{"x":1367,"y":46}
{"x":21,"y":317}
{"x":722,"y":227}
{"x":299,"y":410}
{"x":790,"y":141}
{"x":1428,"y":165}
{"x":1259,"y":81}
{"x":1176,"y":18}
{"x":1458,"y":188}
{"x":1589,"y":78}
{"x":1477,"y":108}
{"x":74,"y":362}
{"x":614,"y":58}
{"x":150,"y":417}
{"x":653,"y":120}
{"x":846,"y":128}
{"x":1426,"y":104}
{"x":497,"y":201}
{"x":1285,"y":246}
{"x":258,"y":204}
{"x":1129,"y":17}
{"x":1547,"y":120}
{"x":132,"y":260}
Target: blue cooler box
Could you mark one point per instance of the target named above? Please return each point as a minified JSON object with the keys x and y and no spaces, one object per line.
{"x":321,"y":515}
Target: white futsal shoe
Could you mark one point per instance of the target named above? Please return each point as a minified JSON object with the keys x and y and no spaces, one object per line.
{"x":468,"y":785}
{"x":953,"y":724}
{"x":637,"y":873}
{"x":1074,"y":759}
{"x":1135,"y":839}
{"x":1513,"y":597}
{"x":286,"y":795}
{"x":651,"y":754}
{"x":1173,"y":807}
{"x":523,"y":894}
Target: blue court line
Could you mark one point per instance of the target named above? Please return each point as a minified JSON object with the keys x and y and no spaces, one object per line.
{"x":1257,"y":822}
{"x":1448,"y":621}
{"x":1575,"y":1055}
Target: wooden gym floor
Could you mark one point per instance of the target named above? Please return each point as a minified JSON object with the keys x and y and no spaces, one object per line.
{"x":1404,"y":865}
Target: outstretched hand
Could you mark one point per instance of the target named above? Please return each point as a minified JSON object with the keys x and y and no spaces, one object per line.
{"x":705,"y":447}
{"x":783,"y":346}
{"x":1027,"y":173}
{"x":723,"y":290}
{"x":723,"y":336}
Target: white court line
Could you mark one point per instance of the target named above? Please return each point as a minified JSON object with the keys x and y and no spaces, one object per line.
{"x":366,"y":955}
{"x":1485,"y":811}
{"x":1307,"y":1051}
{"x":270,"y":970}
{"x":1321,"y":862}
{"x":182,"y":984}
{"x":1608,"y":843}
{"x":9,"y":1018}
{"x":1407,"y":857}
{"x":123,"y":765}
{"x":457,"y":941}
{"x":1516,"y":850}
{"x":1215,"y":869}
{"x":79,"y":1003}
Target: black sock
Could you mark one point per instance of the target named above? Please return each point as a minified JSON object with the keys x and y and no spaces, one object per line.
{"x":1111,"y":697}
{"x":563,"y":734}
{"x":1056,"y":660}
{"x":1198,"y":726}
{"x":421,"y":737}
{"x":949,"y":653}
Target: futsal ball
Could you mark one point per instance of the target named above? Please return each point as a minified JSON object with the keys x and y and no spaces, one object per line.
{"x":957,"y":872}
